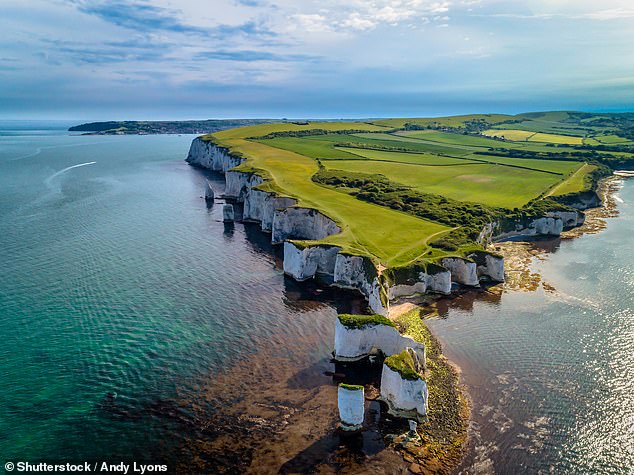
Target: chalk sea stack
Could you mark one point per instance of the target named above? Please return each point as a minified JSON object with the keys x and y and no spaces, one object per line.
{"x":351,"y":399}
{"x":209,"y":193}
{"x":227,"y":213}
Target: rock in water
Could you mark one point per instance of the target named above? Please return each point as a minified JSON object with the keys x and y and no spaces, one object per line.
{"x":209,"y":192}
{"x":404,"y":391}
{"x":351,"y":399}
{"x":227,"y":213}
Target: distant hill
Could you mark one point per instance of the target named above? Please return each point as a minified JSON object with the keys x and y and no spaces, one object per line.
{"x":133,"y":127}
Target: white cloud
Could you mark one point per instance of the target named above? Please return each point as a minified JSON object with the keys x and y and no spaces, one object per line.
{"x":311,"y":23}
{"x":610,"y":14}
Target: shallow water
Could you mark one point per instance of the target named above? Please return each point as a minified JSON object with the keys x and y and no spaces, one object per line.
{"x":551,"y":374}
{"x":121,"y":294}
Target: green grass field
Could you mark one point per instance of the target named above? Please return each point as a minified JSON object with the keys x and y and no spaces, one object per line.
{"x":399,"y":238}
{"x":561,"y":167}
{"x":493,"y":185}
{"x":449,"y":157}
{"x":415,"y":158}
{"x":611,"y":139}
{"x":517,"y":135}
{"x":554,"y":138}
{"x":575,"y":183}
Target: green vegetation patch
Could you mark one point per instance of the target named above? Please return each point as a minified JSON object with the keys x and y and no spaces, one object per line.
{"x":410,"y":273}
{"x":404,"y":156}
{"x":400,"y":237}
{"x":579,"y":181}
{"x":398,"y":187}
{"x":476,"y":182}
{"x":403,"y":364}
{"x":444,"y":430}
{"x":351,"y":387}
{"x":470,"y":122}
{"x":470,"y":217}
{"x":358,"y":322}
{"x":530,"y":136}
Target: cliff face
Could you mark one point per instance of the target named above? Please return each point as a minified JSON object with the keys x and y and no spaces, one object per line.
{"x":404,"y":397}
{"x":358,"y":272}
{"x":287,"y":222}
{"x":239,"y":184}
{"x":581,"y":201}
{"x":462,"y":271}
{"x":301,"y":223}
{"x":356,"y":343}
{"x":489,"y":266}
{"x":303,"y":263}
{"x":208,"y":155}
{"x":552,"y":224}
{"x":422,"y":282}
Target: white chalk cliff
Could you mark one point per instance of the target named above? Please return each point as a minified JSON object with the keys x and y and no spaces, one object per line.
{"x":463,"y":271}
{"x":301,"y":223}
{"x":352,"y":344}
{"x":289,"y":222}
{"x":304,"y":262}
{"x":351,"y":402}
{"x":404,"y":397}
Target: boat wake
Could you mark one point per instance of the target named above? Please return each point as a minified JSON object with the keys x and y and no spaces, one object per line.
{"x":50,"y":179}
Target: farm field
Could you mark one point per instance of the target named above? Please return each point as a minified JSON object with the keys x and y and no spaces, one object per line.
{"x":447,"y":158}
{"x":611,"y":139}
{"x":489,"y":184}
{"x":529,"y":136}
{"x":562,"y":167}
{"x":576,"y":182}
{"x":452,"y":121}
{"x":399,"y":239}
{"x":420,"y":158}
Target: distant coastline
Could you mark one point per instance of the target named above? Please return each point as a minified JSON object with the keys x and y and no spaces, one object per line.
{"x":137,"y":127}
{"x":155,"y":127}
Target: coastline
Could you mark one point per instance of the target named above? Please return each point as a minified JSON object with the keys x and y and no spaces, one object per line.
{"x":523,"y":277}
{"x":519,"y":255}
{"x":429,"y":459}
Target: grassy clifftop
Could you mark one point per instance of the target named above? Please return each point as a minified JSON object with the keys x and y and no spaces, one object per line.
{"x":406,"y":190}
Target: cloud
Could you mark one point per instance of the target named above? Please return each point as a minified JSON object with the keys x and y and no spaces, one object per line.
{"x":361,"y":16}
{"x":144,"y":17}
{"x":610,"y":14}
{"x":311,"y":23}
{"x":107,"y":53}
{"x":253,"y":56}
{"x":153,"y":51}
{"x":137,"y":16}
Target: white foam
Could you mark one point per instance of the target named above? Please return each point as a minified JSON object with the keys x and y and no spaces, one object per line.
{"x":61,"y":172}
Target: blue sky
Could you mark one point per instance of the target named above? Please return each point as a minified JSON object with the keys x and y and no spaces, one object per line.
{"x":178,"y":59}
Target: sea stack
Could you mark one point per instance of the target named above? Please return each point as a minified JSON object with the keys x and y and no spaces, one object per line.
{"x":227,"y":213}
{"x":209,"y":193}
{"x":402,"y":386}
{"x":351,"y":399}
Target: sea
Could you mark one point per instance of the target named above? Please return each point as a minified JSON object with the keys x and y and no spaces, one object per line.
{"x":136,"y":326}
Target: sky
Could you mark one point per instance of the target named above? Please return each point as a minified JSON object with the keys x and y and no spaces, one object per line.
{"x":195,"y":59}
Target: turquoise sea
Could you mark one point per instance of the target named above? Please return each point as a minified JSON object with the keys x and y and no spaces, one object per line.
{"x":122,"y":295}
